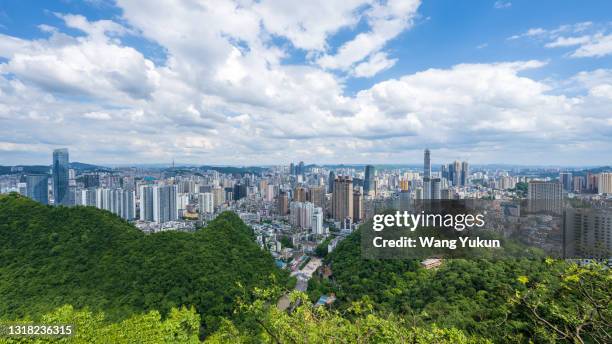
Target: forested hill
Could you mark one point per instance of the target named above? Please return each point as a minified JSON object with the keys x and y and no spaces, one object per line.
{"x":86,"y":257}
{"x":497,"y":300}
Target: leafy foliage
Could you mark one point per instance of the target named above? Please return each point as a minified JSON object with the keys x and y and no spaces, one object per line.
{"x":86,"y":257}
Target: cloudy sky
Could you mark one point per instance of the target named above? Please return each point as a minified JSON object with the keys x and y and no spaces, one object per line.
{"x":273,"y":81}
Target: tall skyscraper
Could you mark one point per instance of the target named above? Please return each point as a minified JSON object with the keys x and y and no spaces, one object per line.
{"x":427,"y":164}
{"x":299,"y":194}
{"x":368,"y":182}
{"x":146,"y":203}
{"x":358,"y":210}
{"x":316,"y":195}
{"x":456,"y":173}
{"x":164,"y":203}
{"x":37,"y":187}
{"x":566,"y":180}
{"x":300,"y":168}
{"x":465,"y":173}
{"x":283,"y":203}
{"x":61,"y":163}
{"x":330,"y":182}
{"x":342,"y":198}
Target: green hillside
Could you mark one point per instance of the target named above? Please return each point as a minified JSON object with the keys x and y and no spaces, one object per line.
{"x":87,"y":257}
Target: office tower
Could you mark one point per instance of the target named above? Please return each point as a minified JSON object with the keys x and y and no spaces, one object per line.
{"x":604,"y":183}
{"x":61,"y":163}
{"x":301,"y":214}
{"x":283,"y":203}
{"x":330,"y":182}
{"x":368,"y":182}
{"x":465,"y":173}
{"x":435,"y":189}
{"x":316,"y":195}
{"x":587,"y":233}
{"x":206,"y":203}
{"x":427,"y":164}
{"x":317,"y":221}
{"x":240,"y":191}
{"x":545,"y":196}
{"x":358,"y":210}
{"x":456,"y":173}
{"x":301,"y":170}
{"x":444,"y":171}
{"x":342,"y":198}
{"x":292,"y":169}
{"x":146,"y":203}
{"x":218,"y":196}
{"x":299,"y":194}
{"x":37,"y":187}
{"x":164,"y":203}
{"x":566,"y":180}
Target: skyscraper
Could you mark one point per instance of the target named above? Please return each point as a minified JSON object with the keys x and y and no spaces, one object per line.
{"x":358,"y":210}
{"x":465,"y":173}
{"x":205,"y":203}
{"x":330,"y":182}
{"x":283,"y":203}
{"x":164,"y":203}
{"x":37,"y":187}
{"x":317,"y":221}
{"x":342,"y":198}
{"x":427,"y":164}
{"x":61,"y":163}
{"x":604,"y":183}
{"x":435,"y":189}
{"x":456,"y":173}
{"x":146,"y":203}
{"x":566,"y":180}
{"x":368,"y":182}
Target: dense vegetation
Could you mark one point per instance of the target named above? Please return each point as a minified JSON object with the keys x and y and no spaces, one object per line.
{"x":484,"y":298}
{"x":89,"y":268}
{"x":86,"y":257}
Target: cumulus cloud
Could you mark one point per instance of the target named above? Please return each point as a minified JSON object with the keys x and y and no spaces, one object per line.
{"x":226,"y":93}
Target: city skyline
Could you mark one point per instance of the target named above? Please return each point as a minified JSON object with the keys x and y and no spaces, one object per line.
{"x":367,"y":82}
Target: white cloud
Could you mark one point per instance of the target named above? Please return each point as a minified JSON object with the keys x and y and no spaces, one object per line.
{"x":502,"y":4}
{"x":226,"y":94}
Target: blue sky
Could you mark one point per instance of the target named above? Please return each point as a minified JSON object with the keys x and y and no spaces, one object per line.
{"x":332,"y":82}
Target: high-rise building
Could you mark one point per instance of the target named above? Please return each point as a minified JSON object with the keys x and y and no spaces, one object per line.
{"x":566,"y":180}
{"x":435,"y":189}
{"x":283,"y":203}
{"x":404,"y":200}
{"x":292,"y":169}
{"x":587,"y":233}
{"x":604,"y":183}
{"x":358,"y":210}
{"x":368,"y":182}
{"x":61,"y":164}
{"x":456,"y":173}
{"x":591,"y":182}
{"x":301,"y":214}
{"x":146,"y":203}
{"x":299,"y":194}
{"x":316,"y":195}
{"x":330,"y":182}
{"x":206,"y":203}
{"x":240,"y":191}
{"x":88,"y":197}
{"x":465,"y":173}
{"x":317,"y":221}
{"x":219,"y":195}
{"x":342,"y":198}
{"x":37,"y":187}
{"x":578,"y":184}
{"x":164,"y":203}
{"x":427,"y":164}
{"x":300,"y":168}
{"x":545,"y":196}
